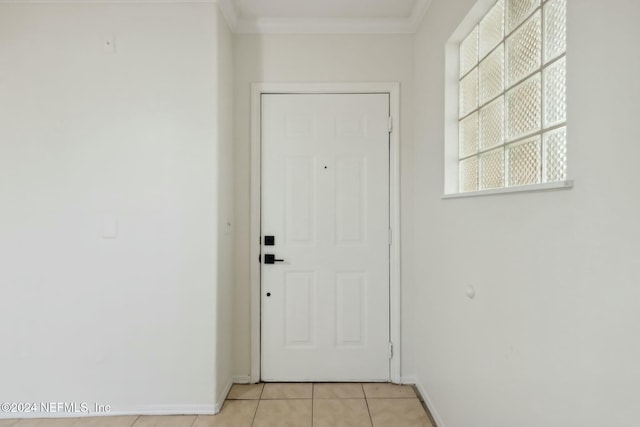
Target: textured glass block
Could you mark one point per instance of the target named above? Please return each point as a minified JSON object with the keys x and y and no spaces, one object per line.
{"x":469,"y":135}
{"x":469,"y":52}
{"x":524,"y":50}
{"x":555,"y":29}
{"x":492,"y":169}
{"x":555,"y":93}
{"x":469,"y":93}
{"x":492,"y":29}
{"x":491,"y":78}
{"x":555,"y":155}
{"x":524,"y":108}
{"x":518,"y":11}
{"x":523,"y":159}
{"x":469,"y":174}
{"x":492,"y":124}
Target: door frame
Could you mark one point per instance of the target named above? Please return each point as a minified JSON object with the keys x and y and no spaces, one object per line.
{"x":393,"y":90}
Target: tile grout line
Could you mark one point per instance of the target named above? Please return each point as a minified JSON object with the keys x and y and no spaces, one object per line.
{"x":196,"y":417}
{"x":261,"y":392}
{"x":366,"y":400}
{"x":255,"y":414}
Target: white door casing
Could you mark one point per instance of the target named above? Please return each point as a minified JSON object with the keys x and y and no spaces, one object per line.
{"x":325,"y":199}
{"x":257,"y":90}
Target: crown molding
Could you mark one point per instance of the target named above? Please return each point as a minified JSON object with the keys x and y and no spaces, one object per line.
{"x":407,"y":25}
{"x":322,"y":26}
{"x":230,"y":13}
{"x":418,"y":13}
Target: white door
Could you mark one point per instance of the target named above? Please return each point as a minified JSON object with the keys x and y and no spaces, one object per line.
{"x":325,"y":202}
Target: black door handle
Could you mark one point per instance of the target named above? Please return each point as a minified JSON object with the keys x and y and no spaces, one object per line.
{"x":271,"y":259}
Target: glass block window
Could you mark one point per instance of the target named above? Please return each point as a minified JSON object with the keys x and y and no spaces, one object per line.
{"x":512,"y":107}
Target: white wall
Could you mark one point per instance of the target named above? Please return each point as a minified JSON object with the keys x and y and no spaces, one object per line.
{"x":301,"y":58}
{"x":226,"y":220}
{"x":84,"y":134}
{"x":551,"y":338}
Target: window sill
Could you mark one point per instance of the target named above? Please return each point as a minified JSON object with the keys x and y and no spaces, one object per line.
{"x":560,"y":185}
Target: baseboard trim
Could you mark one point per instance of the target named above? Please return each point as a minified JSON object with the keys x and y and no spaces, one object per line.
{"x":242,"y":379}
{"x":412,"y":380}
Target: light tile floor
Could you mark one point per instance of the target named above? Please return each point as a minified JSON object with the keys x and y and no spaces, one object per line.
{"x":281,"y":405}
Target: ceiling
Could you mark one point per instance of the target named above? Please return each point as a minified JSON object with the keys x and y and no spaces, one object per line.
{"x":324,"y":16}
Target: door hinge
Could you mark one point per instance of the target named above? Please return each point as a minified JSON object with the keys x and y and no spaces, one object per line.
{"x":390,"y":124}
{"x":390,"y":237}
{"x":390,"y":350}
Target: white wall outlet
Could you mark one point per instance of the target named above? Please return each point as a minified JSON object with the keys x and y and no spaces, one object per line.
{"x":109,"y":44}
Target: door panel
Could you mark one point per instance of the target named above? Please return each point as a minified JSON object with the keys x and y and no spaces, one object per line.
{"x":351,"y":327}
{"x":299,"y":305}
{"x":300,"y":199}
{"x":351,"y":194}
{"x":325,"y":198}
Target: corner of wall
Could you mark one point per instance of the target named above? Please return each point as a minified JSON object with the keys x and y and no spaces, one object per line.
{"x":226,"y":223}
{"x":223,"y":397}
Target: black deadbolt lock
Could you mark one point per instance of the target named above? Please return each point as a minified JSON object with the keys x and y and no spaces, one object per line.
{"x":269,"y":240}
